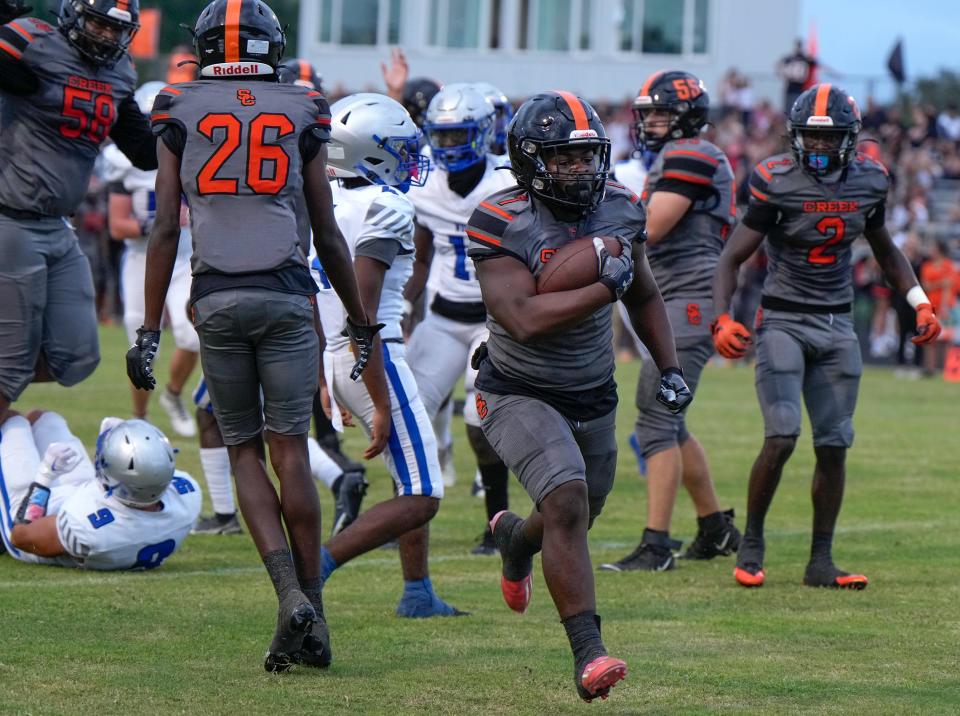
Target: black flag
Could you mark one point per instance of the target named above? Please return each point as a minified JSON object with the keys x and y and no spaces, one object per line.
{"x":895,"y":63}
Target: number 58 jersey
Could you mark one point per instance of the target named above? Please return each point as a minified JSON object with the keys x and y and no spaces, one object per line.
{"x":243,"y":146}
{"x":810,"y":225}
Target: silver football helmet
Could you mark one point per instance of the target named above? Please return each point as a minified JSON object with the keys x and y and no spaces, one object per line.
{"x":459,"y":125}
{"x":372,"y":136}
{"x":145,"y":94}
{"x":135,"y":461}
{"x":504,"y":114}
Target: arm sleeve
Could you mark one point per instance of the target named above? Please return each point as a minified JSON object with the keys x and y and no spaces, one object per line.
{"x":762,"y":213}
{"x":317,"y":133}
{"x":877,"y":217}
{"x":382,"y":250}
{"x":132,"y":134}
{"x":15,"y":77}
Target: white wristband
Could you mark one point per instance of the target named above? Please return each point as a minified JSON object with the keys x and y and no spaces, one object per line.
{"x":916,"y":297}
{"x":407,"y":308}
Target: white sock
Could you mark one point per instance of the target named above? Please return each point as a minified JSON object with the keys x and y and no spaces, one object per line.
{"x":322,"y":466}
{"x":216,"y":471}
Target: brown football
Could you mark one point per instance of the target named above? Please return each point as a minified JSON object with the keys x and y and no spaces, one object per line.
{"x":574,"y":265}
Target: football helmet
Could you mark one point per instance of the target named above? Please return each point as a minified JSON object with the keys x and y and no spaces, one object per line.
{"x":504,"y":114}
{"x":459,"y":126}
{"x":135,"y":462}
{"x":823,"y":126}
{"x":101,"y":30}
{"x":238,"y":38}
{"x":545,"y":130}
{"x":146,"y":94}
{"x":373,"y":137}
{"x":417,"y":94}
{"x":300,"y":72}
{"x":679,"y":93}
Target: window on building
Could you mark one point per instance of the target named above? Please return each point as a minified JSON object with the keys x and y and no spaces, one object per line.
{"x":456,"y":23}
{"x":326,"y":21}
{"x":393,"y":23}
{"x":360,"y":22}
{"x":586,"y":15}
{"x":553,"y":24}
{"x":664,"y":27}
{"x":701,"y":10}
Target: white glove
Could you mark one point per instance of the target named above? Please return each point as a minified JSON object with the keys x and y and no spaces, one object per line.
{"x":59,"y":459}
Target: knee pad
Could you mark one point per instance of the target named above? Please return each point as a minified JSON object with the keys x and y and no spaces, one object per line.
{"x":782,"y":419}
{"x":840,"y":435}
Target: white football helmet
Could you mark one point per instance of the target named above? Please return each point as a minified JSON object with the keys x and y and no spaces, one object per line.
{"x":135,"y":461}
{"x":372,"y":136}
{"x":504,"y":114}
{"x":459,"y":125}
{"x":145,"y":94}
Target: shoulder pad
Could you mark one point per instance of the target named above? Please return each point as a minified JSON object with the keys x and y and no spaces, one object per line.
{"x":492,"y":217}
{"x":867,"y":161}
{"x":615,"y":189}
{"x":17,"y":35}
{"x":765,"y":174}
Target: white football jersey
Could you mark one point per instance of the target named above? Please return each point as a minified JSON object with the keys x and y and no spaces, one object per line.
{"x":141,"y":186}
{"x":100,"y":532}
{"x":367,"y":214}
{"x":632,"y":174}
{"x":446,"y":214}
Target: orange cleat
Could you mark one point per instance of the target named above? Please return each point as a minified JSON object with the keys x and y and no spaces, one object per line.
{"x":749,"y":575}
{"x":599,"y":676}
{"x":516,"y":592}
{"x":827,"y":575}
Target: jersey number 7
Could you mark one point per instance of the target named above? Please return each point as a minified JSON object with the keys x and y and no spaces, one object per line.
{"x":268,"y":165}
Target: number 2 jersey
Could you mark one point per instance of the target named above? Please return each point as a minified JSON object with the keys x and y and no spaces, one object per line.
{"x":50,"y":138}
{"x":810,"y":225}
{"x":243,"y":146}
{"x":100,"y":532}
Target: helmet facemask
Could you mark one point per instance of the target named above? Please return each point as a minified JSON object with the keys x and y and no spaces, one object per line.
{"x":570,"y":174}
{"x":822,"y":151}
{"x":101,"y":37}
{"x":646,"y":140}
{"x":458,"y":146}
{"x":411,"y":168}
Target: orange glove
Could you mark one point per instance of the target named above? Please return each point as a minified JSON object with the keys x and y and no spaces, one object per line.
{"x":731,"y":338}
{"x":928,"y":325}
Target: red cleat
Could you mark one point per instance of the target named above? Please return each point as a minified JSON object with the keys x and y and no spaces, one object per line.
{"x":749,"y":578}
{"x":599,"y":676}
{"x":827,"y":575}
{"x":516,"y":593}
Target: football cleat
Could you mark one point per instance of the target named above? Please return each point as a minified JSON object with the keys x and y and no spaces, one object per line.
{"x":350,"y":495}
{"x":653,"y":554}
{"x":710,"y":544}
{"x":486,"y":545}
{"x":181,"y":422}
{"x":316,"y":650}
{"x":217,"y":525}
{"x":749,"y":570}
{"x":419,"y":601}
{"x":749,"y":575}
{"x":599,"y":676}
{"x":516,"y":592}
{"x":827,"y":575}
{"x":295,"y":618}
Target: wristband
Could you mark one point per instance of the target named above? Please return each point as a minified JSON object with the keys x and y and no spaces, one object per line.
{"x":407,"y":308}
{"x":917,"y":297}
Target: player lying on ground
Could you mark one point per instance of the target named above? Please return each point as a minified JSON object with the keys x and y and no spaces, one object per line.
{"x":129,"y":509}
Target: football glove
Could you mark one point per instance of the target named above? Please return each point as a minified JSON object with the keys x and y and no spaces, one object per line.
{"x":616,"y":272}
{"x":363,"y":336}
{"x":140,"y":359}
{"x":731,"y":338}
{"x":12,"y":9}
{"x":58,"y":460}
{"x":928,"y":325}
{"x":673,"y":392}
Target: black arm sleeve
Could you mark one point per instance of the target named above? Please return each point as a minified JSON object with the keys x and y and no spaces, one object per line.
{"x":132,"y":134}
{"x":15,"y":76}
{"x":694,"y":192}
{"x":877,"y":217}
{"x":761,"y":217}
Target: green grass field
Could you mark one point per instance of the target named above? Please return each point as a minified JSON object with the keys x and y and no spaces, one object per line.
{"x":190,"y":637}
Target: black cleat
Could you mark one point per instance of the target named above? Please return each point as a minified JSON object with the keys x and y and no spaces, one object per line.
{"x":826,"y":574}
{"x":749,"y":570}
{"x":715,"y":543}
{"x":295,"y":618}
{"x":653,"y":554}
{"x":349,"y":497}
{"x":316,"y":650}
{"x":486,"y":546}
{"x":218,"y":525}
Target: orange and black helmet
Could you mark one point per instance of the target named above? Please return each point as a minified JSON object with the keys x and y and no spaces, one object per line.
{"x":123,"y":16}
{"x":238,"y":38}
{"x":300,"y":72}
{"x":823,"y":126}
{"x":679,"y":93}
{"x":551,"y":124}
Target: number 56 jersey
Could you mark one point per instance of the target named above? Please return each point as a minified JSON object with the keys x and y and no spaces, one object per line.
{"x":243,"y":146}
{"x":810,"y":225}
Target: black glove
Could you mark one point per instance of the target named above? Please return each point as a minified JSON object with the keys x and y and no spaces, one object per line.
{"x":479,"y":356}
{"x":616,"y":272}
{"x":140,"y":359}
{"x":363,"y":336}
{"x":12,"y":9}
{"x":673,"y":391}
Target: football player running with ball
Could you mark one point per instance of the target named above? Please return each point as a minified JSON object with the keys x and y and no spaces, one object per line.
{"x":243,"y":148}
{"x":64,"y":90}
{"x":545,"y":389}
{"x":689,"y":196}
{"x":810,"y":204}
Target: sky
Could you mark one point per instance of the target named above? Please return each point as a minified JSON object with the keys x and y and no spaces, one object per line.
{"x":855,"y":38}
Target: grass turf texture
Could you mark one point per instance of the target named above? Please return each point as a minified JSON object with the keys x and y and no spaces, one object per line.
{"x":190,"y":636}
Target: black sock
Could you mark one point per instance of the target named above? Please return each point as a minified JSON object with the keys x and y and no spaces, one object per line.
{"x":224,"y":518}
{"x":313,"y":590}
{"x":713,"y":523}
{"x":656,"y":537}
{"x":495,"y":478}
{"x":821,"y":547}
{"x":583,"y":631}
{"x":754,"y":528}
{"x":282,"y":573}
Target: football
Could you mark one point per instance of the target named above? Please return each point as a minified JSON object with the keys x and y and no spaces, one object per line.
{"x":574,"y":265}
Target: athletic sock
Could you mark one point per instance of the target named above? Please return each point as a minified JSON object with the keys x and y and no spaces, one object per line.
{"x":821,"y":547}
{"x":283,"y":574}
{"x":327,"y":564}
{"x":754,"y":528}
{"x":495,"y":478}
{"x":713,"y":522}
{"x":313,"y":590}
{"x":216,"y":471}
{"x":583,"y":631}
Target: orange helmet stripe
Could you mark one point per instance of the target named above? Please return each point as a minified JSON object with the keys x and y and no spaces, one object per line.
{"x":820,"y":103}
{"x":580,"y":120}
{"x":231,"y":45}
{"x":305,"y":74}
{"x":645,"y":90}
{"x":123,"y":4}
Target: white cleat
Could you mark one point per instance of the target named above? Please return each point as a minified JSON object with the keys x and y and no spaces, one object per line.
{"x":181,"y":422}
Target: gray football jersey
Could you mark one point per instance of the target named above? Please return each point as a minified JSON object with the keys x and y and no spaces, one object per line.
{"x":811,"y":225}
{"x":684,"y":261}
{"x":509,"y":224}
{"x":50,"y":139}
{"x":242,"y":169}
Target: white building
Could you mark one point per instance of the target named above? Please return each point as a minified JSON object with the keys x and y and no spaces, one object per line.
{"x":601,"y":49}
